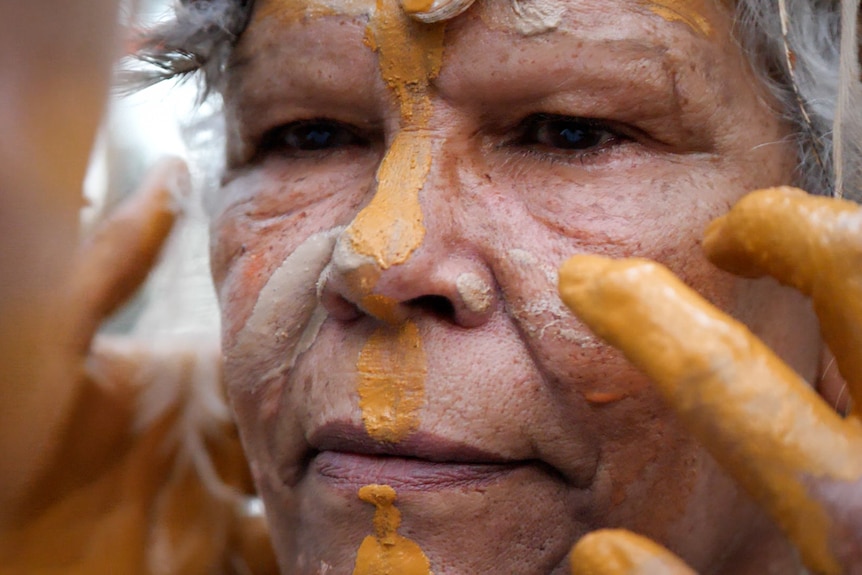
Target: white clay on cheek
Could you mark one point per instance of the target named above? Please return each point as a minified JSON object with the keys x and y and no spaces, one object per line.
{"x":526,"y":17}
{"x":538,"y":310}
{"x":360,"y":271}
{"x":287,"y":314}
{"x":537,"y":17}
{"x":474,"y":292}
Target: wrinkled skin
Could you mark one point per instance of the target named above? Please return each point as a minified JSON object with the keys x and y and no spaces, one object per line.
{"x":790,"y":450}
{"x":521,"y":380}
{"x":68,"y":463}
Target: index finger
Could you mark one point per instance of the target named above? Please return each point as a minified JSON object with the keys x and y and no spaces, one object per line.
{"x":116,"y":259}
{"x":759,"y":419}
{"x":811,"y":243}
{"x":620,"y":552}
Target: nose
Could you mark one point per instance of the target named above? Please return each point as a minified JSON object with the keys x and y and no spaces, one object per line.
{"x":453,"y":288}
{"x":406,"y":253}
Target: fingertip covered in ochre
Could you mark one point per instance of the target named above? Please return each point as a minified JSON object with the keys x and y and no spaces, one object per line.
{"x":620,"y":552}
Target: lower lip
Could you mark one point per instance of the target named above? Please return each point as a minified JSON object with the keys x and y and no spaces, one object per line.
{"x":350,"y":471}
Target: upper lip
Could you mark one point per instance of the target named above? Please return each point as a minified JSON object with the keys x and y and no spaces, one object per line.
{"x":349,"y":438}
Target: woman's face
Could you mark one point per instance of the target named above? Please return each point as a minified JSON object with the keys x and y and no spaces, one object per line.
{"x":398,"y":199}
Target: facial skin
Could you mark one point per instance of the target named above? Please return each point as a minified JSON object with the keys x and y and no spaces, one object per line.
{"x":529,"y":432}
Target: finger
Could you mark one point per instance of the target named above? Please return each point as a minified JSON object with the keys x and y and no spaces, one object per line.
{"x":620,"y":552}
{"x":114,"y":261}
{"x":758,"y":419}
{"x":54,"y":77}
{"x":811,"y":243}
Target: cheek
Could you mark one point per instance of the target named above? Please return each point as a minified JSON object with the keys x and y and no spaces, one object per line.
{"x":526,"y":269}
{"x":265,"y":217}
{"x":784,"y":320}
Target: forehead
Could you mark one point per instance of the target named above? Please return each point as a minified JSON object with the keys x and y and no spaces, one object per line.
{"x":527,"y":17}
{"x":334,"y":34}
{"x":329,"y":42}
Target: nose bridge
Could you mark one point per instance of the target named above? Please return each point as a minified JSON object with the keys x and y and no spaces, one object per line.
{"x":391,"y":227}
{"x":397,"y":255}
{"x":378,"y":248}
{"x":377,"y":266}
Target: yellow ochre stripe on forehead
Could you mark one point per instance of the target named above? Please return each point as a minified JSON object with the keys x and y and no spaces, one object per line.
{"x":684,"y":11}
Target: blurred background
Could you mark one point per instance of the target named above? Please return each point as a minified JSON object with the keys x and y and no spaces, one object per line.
{"x":138,"y":129}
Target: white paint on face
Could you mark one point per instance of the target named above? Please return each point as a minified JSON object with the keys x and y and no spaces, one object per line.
{"x":475,"y":292}
{"x":527,"y":259}
{"x":309,"y":335}
{"x":359,"y":272}
{"x":537,"y":17}
{"x":526,"y":17}
{"x":544,"y":309}
{"x":287,"y":314}
{"x":522,"y":257}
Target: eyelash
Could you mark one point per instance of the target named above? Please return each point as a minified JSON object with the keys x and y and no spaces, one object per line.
{"x":311,"y":138}
{"x":583,"y":138}
{"x":553,"y":137}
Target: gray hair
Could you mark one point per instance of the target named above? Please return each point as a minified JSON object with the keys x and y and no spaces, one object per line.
{"x":796,"y":49}
{"x":805,"y":52}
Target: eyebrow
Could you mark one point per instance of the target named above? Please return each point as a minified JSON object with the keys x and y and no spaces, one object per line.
{"x":639,"y":62}
{"x":644,"y":65}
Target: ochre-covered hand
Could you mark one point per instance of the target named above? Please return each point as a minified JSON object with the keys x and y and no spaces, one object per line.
{"x":761,"y":421}
{"x":144,"y":473}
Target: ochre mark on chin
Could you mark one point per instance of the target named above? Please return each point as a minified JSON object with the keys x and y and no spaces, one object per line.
{"x":386,"y":552}
{"x":391,"y":371}
{"x":684,"y":11}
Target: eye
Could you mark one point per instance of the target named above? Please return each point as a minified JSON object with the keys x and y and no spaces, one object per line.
{"x":566,"y":133}
{"x":311,"y":136}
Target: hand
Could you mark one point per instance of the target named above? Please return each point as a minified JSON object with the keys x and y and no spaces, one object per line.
{"x":146,"y":473}
{"x":763,"y":423}
{"x":115,"y":454}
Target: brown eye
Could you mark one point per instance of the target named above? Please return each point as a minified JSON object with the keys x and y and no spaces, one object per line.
{"x":311,"y":136}
{"x":566,"y":133}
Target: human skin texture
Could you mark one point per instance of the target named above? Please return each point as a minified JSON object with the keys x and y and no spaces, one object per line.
{"x":785,"y":444}
{"x":621,"y":132}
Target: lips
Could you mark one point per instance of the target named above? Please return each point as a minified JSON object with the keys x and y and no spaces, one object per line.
{"x":347,"y":458}
{"x":350,"y":471}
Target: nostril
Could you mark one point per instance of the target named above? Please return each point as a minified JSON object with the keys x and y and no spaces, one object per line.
{"x":437,"y":305}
